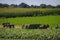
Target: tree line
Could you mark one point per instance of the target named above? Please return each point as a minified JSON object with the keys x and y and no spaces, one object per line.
{"x":24,"y":5}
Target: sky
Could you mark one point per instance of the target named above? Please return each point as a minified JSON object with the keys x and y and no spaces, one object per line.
{"x":32,"y":2}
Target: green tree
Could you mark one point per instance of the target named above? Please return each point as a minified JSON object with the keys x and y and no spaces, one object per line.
{"x":50,"y":6}
{"x":1,"y":5}
{"x":23,"y":5}
{"x":13,"y":5}
{"x":5,"y":5}
{"x":43,"y":6}
{"x":34,"y":6}
{"x":58,"y":6}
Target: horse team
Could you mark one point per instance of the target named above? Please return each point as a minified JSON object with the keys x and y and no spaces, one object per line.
{"x":28,"y":26}
{"x":35,"y":26}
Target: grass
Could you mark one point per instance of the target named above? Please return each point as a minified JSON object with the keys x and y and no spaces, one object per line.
{"x":51,"y":20}
{"x":23,"y":20}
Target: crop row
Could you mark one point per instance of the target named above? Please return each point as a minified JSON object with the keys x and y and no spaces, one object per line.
{"x":46,"y":34}
{"x":30,"y":13}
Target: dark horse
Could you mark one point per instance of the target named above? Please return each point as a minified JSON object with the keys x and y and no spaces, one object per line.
{"x":8,"y":25}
